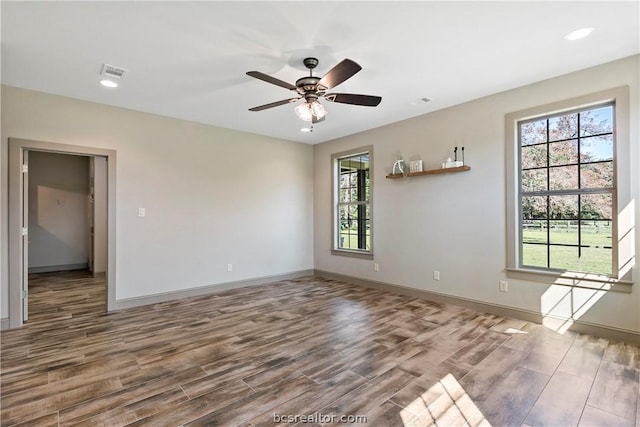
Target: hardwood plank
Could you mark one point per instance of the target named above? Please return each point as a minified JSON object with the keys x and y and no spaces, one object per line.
{"x":50,"y":420}
{"x":370,"y":395}
{"x":313,"y":399}
{"x":31,"y":409}
{"x":129,"y":395}
{"x":192,"y":409}
{"x":255,"y":404}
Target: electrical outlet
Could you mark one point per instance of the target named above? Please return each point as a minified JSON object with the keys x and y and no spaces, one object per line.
{"x":142,"y":212}
{"x":376,"y":266}
{"x":436,"y":275}
{"x":504,"y":286}
{"x":229,"y":267}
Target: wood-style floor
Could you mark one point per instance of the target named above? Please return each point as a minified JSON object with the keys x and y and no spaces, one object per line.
{"x":308,"y":346}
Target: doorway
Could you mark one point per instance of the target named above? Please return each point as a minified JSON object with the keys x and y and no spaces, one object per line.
{"x":66,"y":239}
{"x":19,"y":223}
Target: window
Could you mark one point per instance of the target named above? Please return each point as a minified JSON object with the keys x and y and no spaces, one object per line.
{"x":567,"y":190}
{"x":570,"y":210}
{"x":352,"y":203}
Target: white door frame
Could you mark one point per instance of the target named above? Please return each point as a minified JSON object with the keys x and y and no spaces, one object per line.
{"x":17,"y":148}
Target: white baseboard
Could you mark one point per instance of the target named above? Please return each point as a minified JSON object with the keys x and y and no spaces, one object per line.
{"x":579,"y":326}
{"x":204,"y":290}
{"x":4,"y":323}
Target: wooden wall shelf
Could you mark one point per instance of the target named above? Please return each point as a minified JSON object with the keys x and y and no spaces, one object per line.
{"x":430,"y":172}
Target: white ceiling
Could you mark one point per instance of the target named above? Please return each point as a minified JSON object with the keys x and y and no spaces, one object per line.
{"x":188,"y":59}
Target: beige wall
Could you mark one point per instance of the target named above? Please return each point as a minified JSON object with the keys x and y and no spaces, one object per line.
{"x":58,"y":211}
{"x":212,"y":196}
{"x":455,"y":223}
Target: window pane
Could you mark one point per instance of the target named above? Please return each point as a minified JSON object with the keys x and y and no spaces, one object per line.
{"x":534,"y":156}
{"x":345,"y":241}
{"x":563,"y":178}
{"x":534,"y":180}
{"x":563,"y":153}
{"x":596,"y":148}
{"x":563,"y":127}
{"x":534,"y":232}
{"x":354,"y":228}
{"x":534,"y":255}
{"x":596,"y":121}
{"x":563,"y":232}
{"x":534,"y":207}
{"x":354,"y":194}
{"x":533,"y":132}
{"x":596,"y":233}
{"x":596,"y":260}
{"x":345,"y":180}
{"x":563,"y":258}
{"x":345,"y":195}
{"x":596,"y":175}
{"x":596,"y":206}
{"x":563,"y":207}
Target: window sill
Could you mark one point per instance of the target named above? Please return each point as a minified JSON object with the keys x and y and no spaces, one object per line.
{"x":352,"y":254}
{"x":572,"y":279}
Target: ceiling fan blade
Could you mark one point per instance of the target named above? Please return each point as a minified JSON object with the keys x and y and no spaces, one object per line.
{"x":339,"y":73}
{"x":355,"y":99}
{"x":267,"y":78}
{"x":273,"y":104}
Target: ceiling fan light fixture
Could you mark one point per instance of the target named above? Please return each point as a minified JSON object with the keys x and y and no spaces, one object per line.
{"x":308,"y":110}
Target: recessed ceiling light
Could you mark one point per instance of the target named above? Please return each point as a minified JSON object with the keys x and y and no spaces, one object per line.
{"x":306,"y":130}
{"x":108,"y":83}
{"x":580,"y":33}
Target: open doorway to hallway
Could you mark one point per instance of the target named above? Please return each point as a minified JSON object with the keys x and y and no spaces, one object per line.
{"x":18,"y":242}
{"x":67,"y":235}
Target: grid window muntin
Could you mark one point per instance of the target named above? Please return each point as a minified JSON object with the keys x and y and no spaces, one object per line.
{"x":353,"y":202}
{"x":544,"y":173}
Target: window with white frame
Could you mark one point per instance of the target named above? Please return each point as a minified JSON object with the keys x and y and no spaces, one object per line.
{"x":352,"y":183}
{"x":567,"y":190}
{"x":569,"y":199}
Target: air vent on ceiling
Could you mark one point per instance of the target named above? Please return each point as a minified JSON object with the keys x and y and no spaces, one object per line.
{"x":113,"y":72}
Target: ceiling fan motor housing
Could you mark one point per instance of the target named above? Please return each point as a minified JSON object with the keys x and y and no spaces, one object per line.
{"x":307,"y":84}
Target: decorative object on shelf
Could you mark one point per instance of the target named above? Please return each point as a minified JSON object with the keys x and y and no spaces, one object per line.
{"x":455,"y":163}
{"x":415,"y":166}
{"x":398,"y":167}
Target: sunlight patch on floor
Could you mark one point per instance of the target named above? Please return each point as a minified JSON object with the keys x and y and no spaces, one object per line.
{"x":444,"y":404}
{"x":561,"y":306}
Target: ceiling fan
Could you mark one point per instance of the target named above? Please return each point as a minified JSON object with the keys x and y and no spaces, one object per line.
{"x":312,"y":88}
